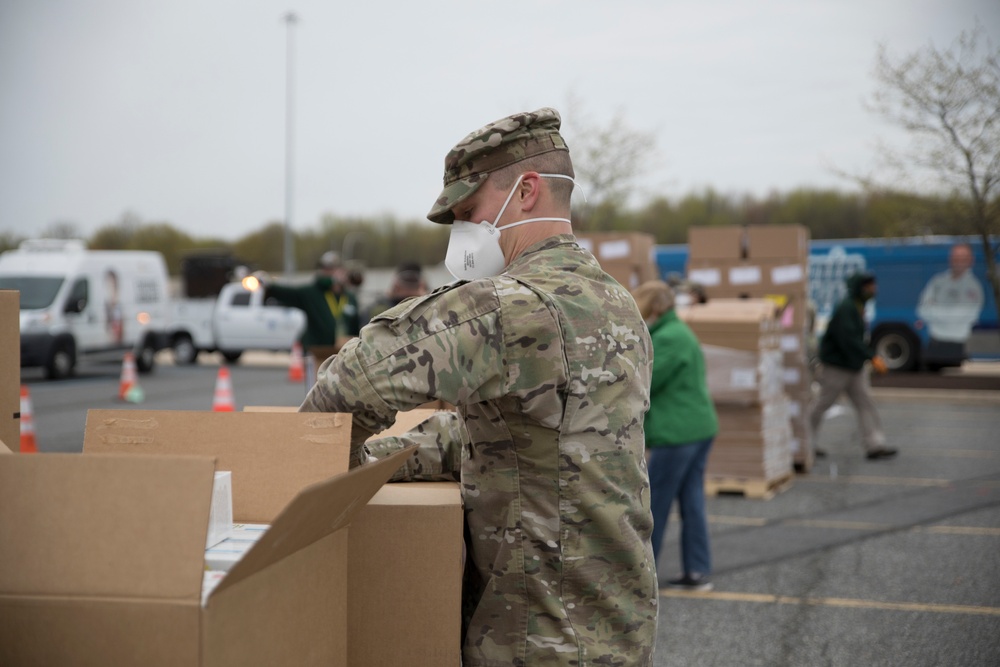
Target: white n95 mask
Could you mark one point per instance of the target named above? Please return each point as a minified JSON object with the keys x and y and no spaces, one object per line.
{"x":474,"y":248}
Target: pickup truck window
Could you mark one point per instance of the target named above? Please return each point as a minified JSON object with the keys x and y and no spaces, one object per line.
{"x":241,"y":299}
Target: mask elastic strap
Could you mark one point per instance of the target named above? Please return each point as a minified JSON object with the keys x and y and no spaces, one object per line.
{"x":522,"y":222}
{"x":510,"y":195}
{"x":576,"y":186}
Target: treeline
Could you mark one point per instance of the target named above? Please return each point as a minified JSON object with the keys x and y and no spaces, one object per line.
{"x":385,"y":242}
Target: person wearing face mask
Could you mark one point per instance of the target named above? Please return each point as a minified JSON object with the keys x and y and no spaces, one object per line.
{"x":680,"y":427}
{"x":332,"y":315}
{"x":547,"y":360}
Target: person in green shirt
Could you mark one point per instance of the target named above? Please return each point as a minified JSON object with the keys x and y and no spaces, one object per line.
{"x":331,"y":310}
{"x":680,"y":427}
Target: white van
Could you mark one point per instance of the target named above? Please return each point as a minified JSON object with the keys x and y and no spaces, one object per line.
{"x":86,"y":304}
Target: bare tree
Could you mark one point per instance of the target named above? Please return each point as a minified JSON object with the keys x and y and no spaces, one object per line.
{"x":608,"y":158}
{"x":948,"y":102}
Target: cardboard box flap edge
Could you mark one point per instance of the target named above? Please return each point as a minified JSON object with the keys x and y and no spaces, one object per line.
{"x":128,"y":518}
{"x":306,"y":518}
{"x":271,"y":455}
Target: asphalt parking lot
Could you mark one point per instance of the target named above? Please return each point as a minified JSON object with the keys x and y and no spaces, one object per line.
{"x":889,"y":562}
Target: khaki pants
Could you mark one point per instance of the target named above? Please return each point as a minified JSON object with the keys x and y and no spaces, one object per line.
{"x":834,"y":381}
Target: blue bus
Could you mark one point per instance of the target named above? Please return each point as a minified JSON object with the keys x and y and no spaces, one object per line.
{"x":935,"y":306}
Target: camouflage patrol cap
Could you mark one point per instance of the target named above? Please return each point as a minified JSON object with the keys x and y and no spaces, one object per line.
{"x":493,"y":147}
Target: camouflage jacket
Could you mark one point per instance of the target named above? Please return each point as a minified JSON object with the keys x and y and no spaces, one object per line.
{"x":549,"y":367}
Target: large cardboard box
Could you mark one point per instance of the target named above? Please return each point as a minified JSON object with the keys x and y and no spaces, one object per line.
{"x":102,"y":561}
{"x":777,"y":241}
{"x":10,"y":368}
{"x":739,"y":324}
{"x":400,"y":610}
{"x":716,"y":242}
{"x":272,"y":455}
{"x":405,"y":588}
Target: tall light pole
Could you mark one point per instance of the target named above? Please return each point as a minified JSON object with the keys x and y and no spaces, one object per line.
{"x":290,"y":20}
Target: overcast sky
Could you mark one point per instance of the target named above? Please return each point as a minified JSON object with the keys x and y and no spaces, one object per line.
{"x":174,"y":110}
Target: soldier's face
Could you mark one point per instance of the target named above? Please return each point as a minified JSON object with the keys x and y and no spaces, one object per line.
{"x":483,"y":206}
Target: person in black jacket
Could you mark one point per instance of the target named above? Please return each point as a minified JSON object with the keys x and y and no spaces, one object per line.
{"x":845,"y":354}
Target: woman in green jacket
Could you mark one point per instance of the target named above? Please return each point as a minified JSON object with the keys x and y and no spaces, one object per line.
{"x":680,"y":427}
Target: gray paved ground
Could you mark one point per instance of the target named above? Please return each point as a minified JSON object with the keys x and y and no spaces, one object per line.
{"x":859,"y":562}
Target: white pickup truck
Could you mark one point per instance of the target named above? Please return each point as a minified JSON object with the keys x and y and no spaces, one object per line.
{"x":237,"y":320}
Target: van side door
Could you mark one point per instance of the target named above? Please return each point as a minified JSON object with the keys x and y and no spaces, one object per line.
{"x":83,"y":316}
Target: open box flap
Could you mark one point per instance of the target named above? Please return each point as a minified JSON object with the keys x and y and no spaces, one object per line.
{"x":271,"y":455}
{"x":406,"y":421}
{"x":317,"y":511}
{"x":109,"y":525}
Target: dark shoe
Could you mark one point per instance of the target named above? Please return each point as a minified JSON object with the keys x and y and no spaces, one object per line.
{"x":819,"y":453}
{"x":882,"y":453}
{"x":691,"y":583}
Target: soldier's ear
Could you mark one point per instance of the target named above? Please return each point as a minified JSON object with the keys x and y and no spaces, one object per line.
{"x":528,"y":190}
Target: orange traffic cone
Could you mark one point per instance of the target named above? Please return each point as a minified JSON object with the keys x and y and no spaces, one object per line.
{"x":223,"y":400}
{"x":128,"y":376}
{"x":28,"y":444}
{"x":296,"y":373}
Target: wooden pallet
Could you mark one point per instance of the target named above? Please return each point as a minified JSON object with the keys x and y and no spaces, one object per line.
{"x":759,"y":489}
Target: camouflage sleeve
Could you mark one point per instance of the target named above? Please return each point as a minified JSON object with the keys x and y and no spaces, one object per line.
{"x":441,"y":445}
{"x":446,"y":345}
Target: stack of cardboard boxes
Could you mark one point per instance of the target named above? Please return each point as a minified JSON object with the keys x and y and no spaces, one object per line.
{"x":765,"y":262}
{"x":740,"y":338}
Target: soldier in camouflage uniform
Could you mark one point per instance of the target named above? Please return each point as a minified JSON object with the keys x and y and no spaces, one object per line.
{"x":548,"y":364}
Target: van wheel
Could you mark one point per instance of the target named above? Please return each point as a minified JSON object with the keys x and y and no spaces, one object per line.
{"x":899,"y":347}
{"x":185,"y":353}
{"x":61,"y":362}
{"x":146,"y":359}
{"x":232,"y":356}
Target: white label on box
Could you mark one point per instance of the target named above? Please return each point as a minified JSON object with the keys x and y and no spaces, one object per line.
{"x":782,"y":275}
{"x":586,"y":244}
{"x":790,"y":343}
{"x":744,"y":275}
{"x":792,"y":375}
{"x":794,"y":409}
{"x":743,"y":378}
{"x":615,"y":249}
{"x":705,"y":277}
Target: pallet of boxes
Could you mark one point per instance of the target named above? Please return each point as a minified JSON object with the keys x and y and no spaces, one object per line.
{"x":756,"y":279}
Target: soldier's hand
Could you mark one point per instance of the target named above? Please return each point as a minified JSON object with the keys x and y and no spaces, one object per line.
{"x":878,"y":365}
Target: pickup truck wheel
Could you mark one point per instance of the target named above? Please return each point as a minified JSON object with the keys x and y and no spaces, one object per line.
{"x":899,"y":347}
{"x":185,"y":353}
{"x":146,"y":359}
{"x":232,"y":356}
{"x":61,"y":361}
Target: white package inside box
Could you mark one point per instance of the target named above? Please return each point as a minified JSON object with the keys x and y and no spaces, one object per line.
{"x":209,"y":581}
{"x":220,"y":517}
{"x":224,"y":555}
